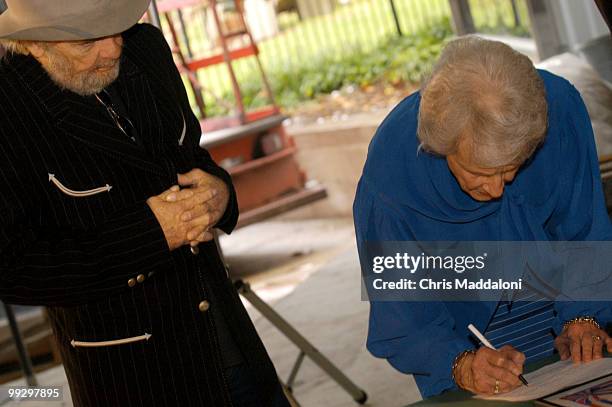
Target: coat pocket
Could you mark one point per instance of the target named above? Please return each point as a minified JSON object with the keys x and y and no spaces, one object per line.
{"x":114,"y":342}
{"x":78,"y":194}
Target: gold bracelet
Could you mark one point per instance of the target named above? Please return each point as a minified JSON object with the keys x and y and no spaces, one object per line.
{"x":458,"y":361}
{"x":583,"y":319}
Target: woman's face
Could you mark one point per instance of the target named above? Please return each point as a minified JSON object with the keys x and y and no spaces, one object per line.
{"x":482,"y":184}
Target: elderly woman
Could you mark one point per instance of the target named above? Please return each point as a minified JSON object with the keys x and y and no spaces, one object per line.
{"x":490,"y":149}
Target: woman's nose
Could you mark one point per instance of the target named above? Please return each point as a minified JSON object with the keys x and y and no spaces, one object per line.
{"x":495,"y":187}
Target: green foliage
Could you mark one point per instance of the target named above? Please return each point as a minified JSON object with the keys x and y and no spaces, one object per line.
{"x":396,"y":60}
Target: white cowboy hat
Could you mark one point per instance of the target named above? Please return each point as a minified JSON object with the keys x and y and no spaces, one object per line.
{"x":66,"y":20}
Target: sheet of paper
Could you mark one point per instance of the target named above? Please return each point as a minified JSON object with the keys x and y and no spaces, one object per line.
{"x":555,"y":377}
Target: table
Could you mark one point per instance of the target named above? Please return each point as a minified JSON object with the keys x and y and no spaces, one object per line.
{"x":460,"y":398}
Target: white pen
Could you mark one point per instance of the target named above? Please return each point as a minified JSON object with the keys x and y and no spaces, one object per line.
{"x":486,"y":343}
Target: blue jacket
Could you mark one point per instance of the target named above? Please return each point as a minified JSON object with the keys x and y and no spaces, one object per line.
{"x":408,"y":195}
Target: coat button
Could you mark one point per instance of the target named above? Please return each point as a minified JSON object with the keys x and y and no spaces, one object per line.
{"x":132,"y":282}
{"x":140,"y":278}
{"x":204,"y":306}
{"x":194,"y":250}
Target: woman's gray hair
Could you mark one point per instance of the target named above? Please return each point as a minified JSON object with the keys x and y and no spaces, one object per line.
{"x":485,"y":94}
{"x":14,"y":46}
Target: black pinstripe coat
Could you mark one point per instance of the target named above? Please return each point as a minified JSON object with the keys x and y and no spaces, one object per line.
{"x":77,"y":236}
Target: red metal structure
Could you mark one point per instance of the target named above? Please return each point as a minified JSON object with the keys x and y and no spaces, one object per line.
{"x":227,"y":54}
{"x":251,"y":144}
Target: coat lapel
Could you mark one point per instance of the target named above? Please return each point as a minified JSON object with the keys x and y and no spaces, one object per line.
{"x":86,"y":121}
{"x":143,"y":106}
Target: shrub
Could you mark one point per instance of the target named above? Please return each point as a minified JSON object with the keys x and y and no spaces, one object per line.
{"x":396,"y":60}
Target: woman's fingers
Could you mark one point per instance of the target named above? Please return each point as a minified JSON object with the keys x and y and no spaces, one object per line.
{"x":586,"y":344}
{"x":600,"y":339}
{"x":516,"y":358}
{"x":504,"y":359}
{"x":496,"y":370}
{"x":562,"y":343}
{"x":598,"y":344}
{"x":575,"y":349}
{"x":485,"y":382}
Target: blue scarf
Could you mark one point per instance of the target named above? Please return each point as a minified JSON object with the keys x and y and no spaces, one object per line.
{"x":409,"y":195}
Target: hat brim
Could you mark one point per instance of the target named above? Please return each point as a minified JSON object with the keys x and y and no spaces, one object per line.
{"x":115,"y":17}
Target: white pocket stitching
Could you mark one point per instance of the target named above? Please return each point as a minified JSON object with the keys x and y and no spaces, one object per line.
{"x":83,"y":344}
{"x":180,"y":142}
{"x":78,"y":194}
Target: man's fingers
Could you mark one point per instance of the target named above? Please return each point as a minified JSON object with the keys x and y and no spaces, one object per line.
{"x":205,"y":237}
{"x":200,"y":225}
{"x":191,"y":177}
{"x":185,"y":179}
{"x":179,"y":195}
{"x":169,"y":191}
{"x":198,"y":198}
{"x":196,"y":212}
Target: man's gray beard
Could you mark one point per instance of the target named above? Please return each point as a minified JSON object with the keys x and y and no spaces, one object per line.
{"x":61,"y":71}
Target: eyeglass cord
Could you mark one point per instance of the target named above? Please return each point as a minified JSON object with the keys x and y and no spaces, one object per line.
{"x":115,"y":116}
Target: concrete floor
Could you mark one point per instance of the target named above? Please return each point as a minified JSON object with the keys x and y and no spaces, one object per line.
{"x":324,"y":305}
{"x":309,"y":272}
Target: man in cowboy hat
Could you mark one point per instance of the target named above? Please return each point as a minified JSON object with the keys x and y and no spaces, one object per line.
{"x":107,"y":206}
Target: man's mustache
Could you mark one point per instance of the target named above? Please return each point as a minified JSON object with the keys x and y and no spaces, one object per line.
{"x":107,"y":65}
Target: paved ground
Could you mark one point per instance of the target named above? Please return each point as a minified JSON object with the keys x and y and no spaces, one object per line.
{"x":309,"y":272}
{"x":325,"y":306}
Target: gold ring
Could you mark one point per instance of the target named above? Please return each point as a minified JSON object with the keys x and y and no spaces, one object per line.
{"x":596,"y":338}
{"x":496,"y":389}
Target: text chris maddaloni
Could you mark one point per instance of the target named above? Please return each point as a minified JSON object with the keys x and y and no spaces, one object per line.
{"x":435,"y":266}
{"x":444,"y":284}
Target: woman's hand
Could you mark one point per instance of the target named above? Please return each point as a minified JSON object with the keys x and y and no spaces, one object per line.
{"x":491,"y":371}
{"x":583,"y":342}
